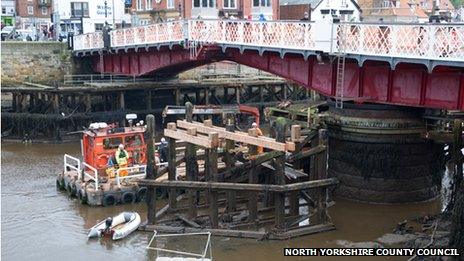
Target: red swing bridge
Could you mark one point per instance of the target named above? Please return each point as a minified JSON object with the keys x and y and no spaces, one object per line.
{"x":419,"y":65}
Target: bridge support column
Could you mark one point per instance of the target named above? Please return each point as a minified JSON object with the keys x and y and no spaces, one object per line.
{"x":379,"y":155}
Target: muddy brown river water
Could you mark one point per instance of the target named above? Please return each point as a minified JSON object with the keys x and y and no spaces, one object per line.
{"x":38,"y":222}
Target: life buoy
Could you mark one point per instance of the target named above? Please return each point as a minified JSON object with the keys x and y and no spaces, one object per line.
{"x":141,"y":194}
{"x":109,"y":200}
{"x":82,"y":196}
{"x":102,"y":160}
{"x":128,"y":197}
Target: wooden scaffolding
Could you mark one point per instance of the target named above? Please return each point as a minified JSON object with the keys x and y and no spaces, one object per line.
{"x":253,"y":194}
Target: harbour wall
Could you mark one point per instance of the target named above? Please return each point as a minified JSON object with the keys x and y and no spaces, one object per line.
{"x":37,"y":62}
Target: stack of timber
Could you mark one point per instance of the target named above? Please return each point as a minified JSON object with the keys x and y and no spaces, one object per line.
{"x":277,"y":194}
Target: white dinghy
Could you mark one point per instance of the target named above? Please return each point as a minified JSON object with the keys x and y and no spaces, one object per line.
{"x":119,"y":226}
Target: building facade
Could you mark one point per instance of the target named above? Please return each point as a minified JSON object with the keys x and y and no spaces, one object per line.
{"x":444,"y":8}
{"x":392,"y":11}
{"x":344,"y":10}
{"x":33,"y":14}
{"x":8,"y":12}
{"x":149,"y":11}
{"x":86,"y":16}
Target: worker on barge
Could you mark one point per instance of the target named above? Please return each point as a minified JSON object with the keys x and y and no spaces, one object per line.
{"x":122,"y":158}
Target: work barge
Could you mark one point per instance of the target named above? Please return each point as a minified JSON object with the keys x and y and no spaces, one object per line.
{"x":235,"y":190}
{"x":49,"y":112}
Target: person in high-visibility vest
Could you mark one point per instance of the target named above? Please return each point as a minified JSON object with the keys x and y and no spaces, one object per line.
{"x":260,"y":133}
{"x":122,"y":158}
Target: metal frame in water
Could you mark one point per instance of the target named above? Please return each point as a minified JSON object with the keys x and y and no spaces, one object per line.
{"x":195,"y":256}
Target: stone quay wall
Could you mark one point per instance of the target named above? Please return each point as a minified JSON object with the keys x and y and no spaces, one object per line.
{"x":37,"y":62}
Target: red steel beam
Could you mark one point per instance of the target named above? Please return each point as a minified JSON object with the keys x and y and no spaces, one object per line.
{"x":375,"y":81}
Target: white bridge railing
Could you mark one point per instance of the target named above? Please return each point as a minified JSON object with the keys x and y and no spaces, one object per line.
{"x":429,"y":41}
{"x":148,"y":34}
{"x":415,"y":41}
{"x":88,"y":41}
{"x":277,"y":34}
{"x":139,"y":171}
{"x":93,"y":175}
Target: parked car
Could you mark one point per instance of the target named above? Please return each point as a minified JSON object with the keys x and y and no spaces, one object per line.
{"x":6,"y":31}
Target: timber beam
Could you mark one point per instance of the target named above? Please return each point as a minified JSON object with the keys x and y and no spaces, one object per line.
{"x":239,"y":186}
{"x":243,"y":137}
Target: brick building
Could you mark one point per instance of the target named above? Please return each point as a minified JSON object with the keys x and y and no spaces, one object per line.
{"x":345,"y":10}
{"x":33,"y":13}
{"x":148,"y":11}
{"x":392,"y":11}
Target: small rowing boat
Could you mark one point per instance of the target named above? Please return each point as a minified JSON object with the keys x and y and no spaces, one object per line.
{"x":118,"y":226}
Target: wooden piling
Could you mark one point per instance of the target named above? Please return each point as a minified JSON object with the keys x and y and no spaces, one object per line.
{"x":172,"y":170}
{"x":191,"y":166}
{"x":149,"y":100}
{"x":122,"y":104}
{"x":295,"y":136}
{"x":457,"y":153}
{"x":230,"y":163}
{"x":151,"y":169}
{"x":177,"y":96}
{"x":88,"y":103}
{"x":252,"y":179}
{"x":211,"y":164}
{"x":279,"y":165}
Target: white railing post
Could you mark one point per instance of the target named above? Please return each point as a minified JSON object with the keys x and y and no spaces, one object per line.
{"x":431,"y":41}
{"x":393,"y":41}
{"x":241,"y":31}
{"x":118,"y":183}
{"x":95,"y":173}
{"x":360,"y":44}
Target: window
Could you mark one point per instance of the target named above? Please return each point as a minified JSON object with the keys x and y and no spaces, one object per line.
{"x":170,"y":4}
{"x":44,"y":10}
{"x":386,"y":3}
{"x":3,"y":10}
{"x":229,"y":4}
{"x":79,"y":9}
{"x":133,"y":141}
{"x":204,"y":3}
{"x":148,"y":5}
{"x":325,"y":11}
{"x":261,"y":3}
{"x":139,"y":5}
{"x":111,"y":143}
{"x":99,"y":27}
{"x":30,"y":10}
